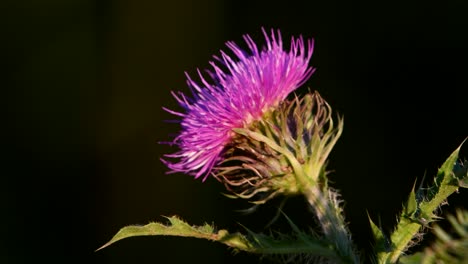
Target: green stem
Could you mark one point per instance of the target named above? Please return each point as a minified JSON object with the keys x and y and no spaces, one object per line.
{"x":329,"y":215}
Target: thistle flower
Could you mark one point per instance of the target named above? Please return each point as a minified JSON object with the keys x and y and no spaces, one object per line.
{"x":282,"y":153}
{"x":250,"y":85}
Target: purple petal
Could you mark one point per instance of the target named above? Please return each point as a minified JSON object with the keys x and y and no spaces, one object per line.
{"x":254,"y":82}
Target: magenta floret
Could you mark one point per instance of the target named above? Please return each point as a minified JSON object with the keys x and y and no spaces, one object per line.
{"x":251,"y":84}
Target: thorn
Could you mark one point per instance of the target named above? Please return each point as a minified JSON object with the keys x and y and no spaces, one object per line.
{"x":279,"y":211}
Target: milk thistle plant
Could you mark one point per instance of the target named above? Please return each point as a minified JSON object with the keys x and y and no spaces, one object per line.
{"x":243,"y":126}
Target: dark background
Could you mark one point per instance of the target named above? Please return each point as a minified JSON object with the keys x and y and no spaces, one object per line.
{"x":84,"y":82}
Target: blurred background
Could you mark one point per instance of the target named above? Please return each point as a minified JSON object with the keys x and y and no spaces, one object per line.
{"x":84,"y":83}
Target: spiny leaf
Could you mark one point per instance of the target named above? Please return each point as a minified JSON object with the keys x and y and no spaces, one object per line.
{"x":411,"y":204}
{"x":414,"y":217}
{"x":381,"y":240}
{"x":449,"y":247}
{"x":300,"y":243}
{"x":180,"y":228}
{"x":444,"y":184}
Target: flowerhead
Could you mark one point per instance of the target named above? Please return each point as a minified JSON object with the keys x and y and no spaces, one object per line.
{"x":239,"y":91}
{"x":284,"y":153}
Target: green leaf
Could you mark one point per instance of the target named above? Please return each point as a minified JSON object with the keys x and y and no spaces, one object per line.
{"x":444,"y":185}
{"x":449,"y":247}
{"x":411,"y":204}
{"x":301,"y":243}
{"x":418,"y":213}
{"x":180,"y":228}
{"x":381,"y":240}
